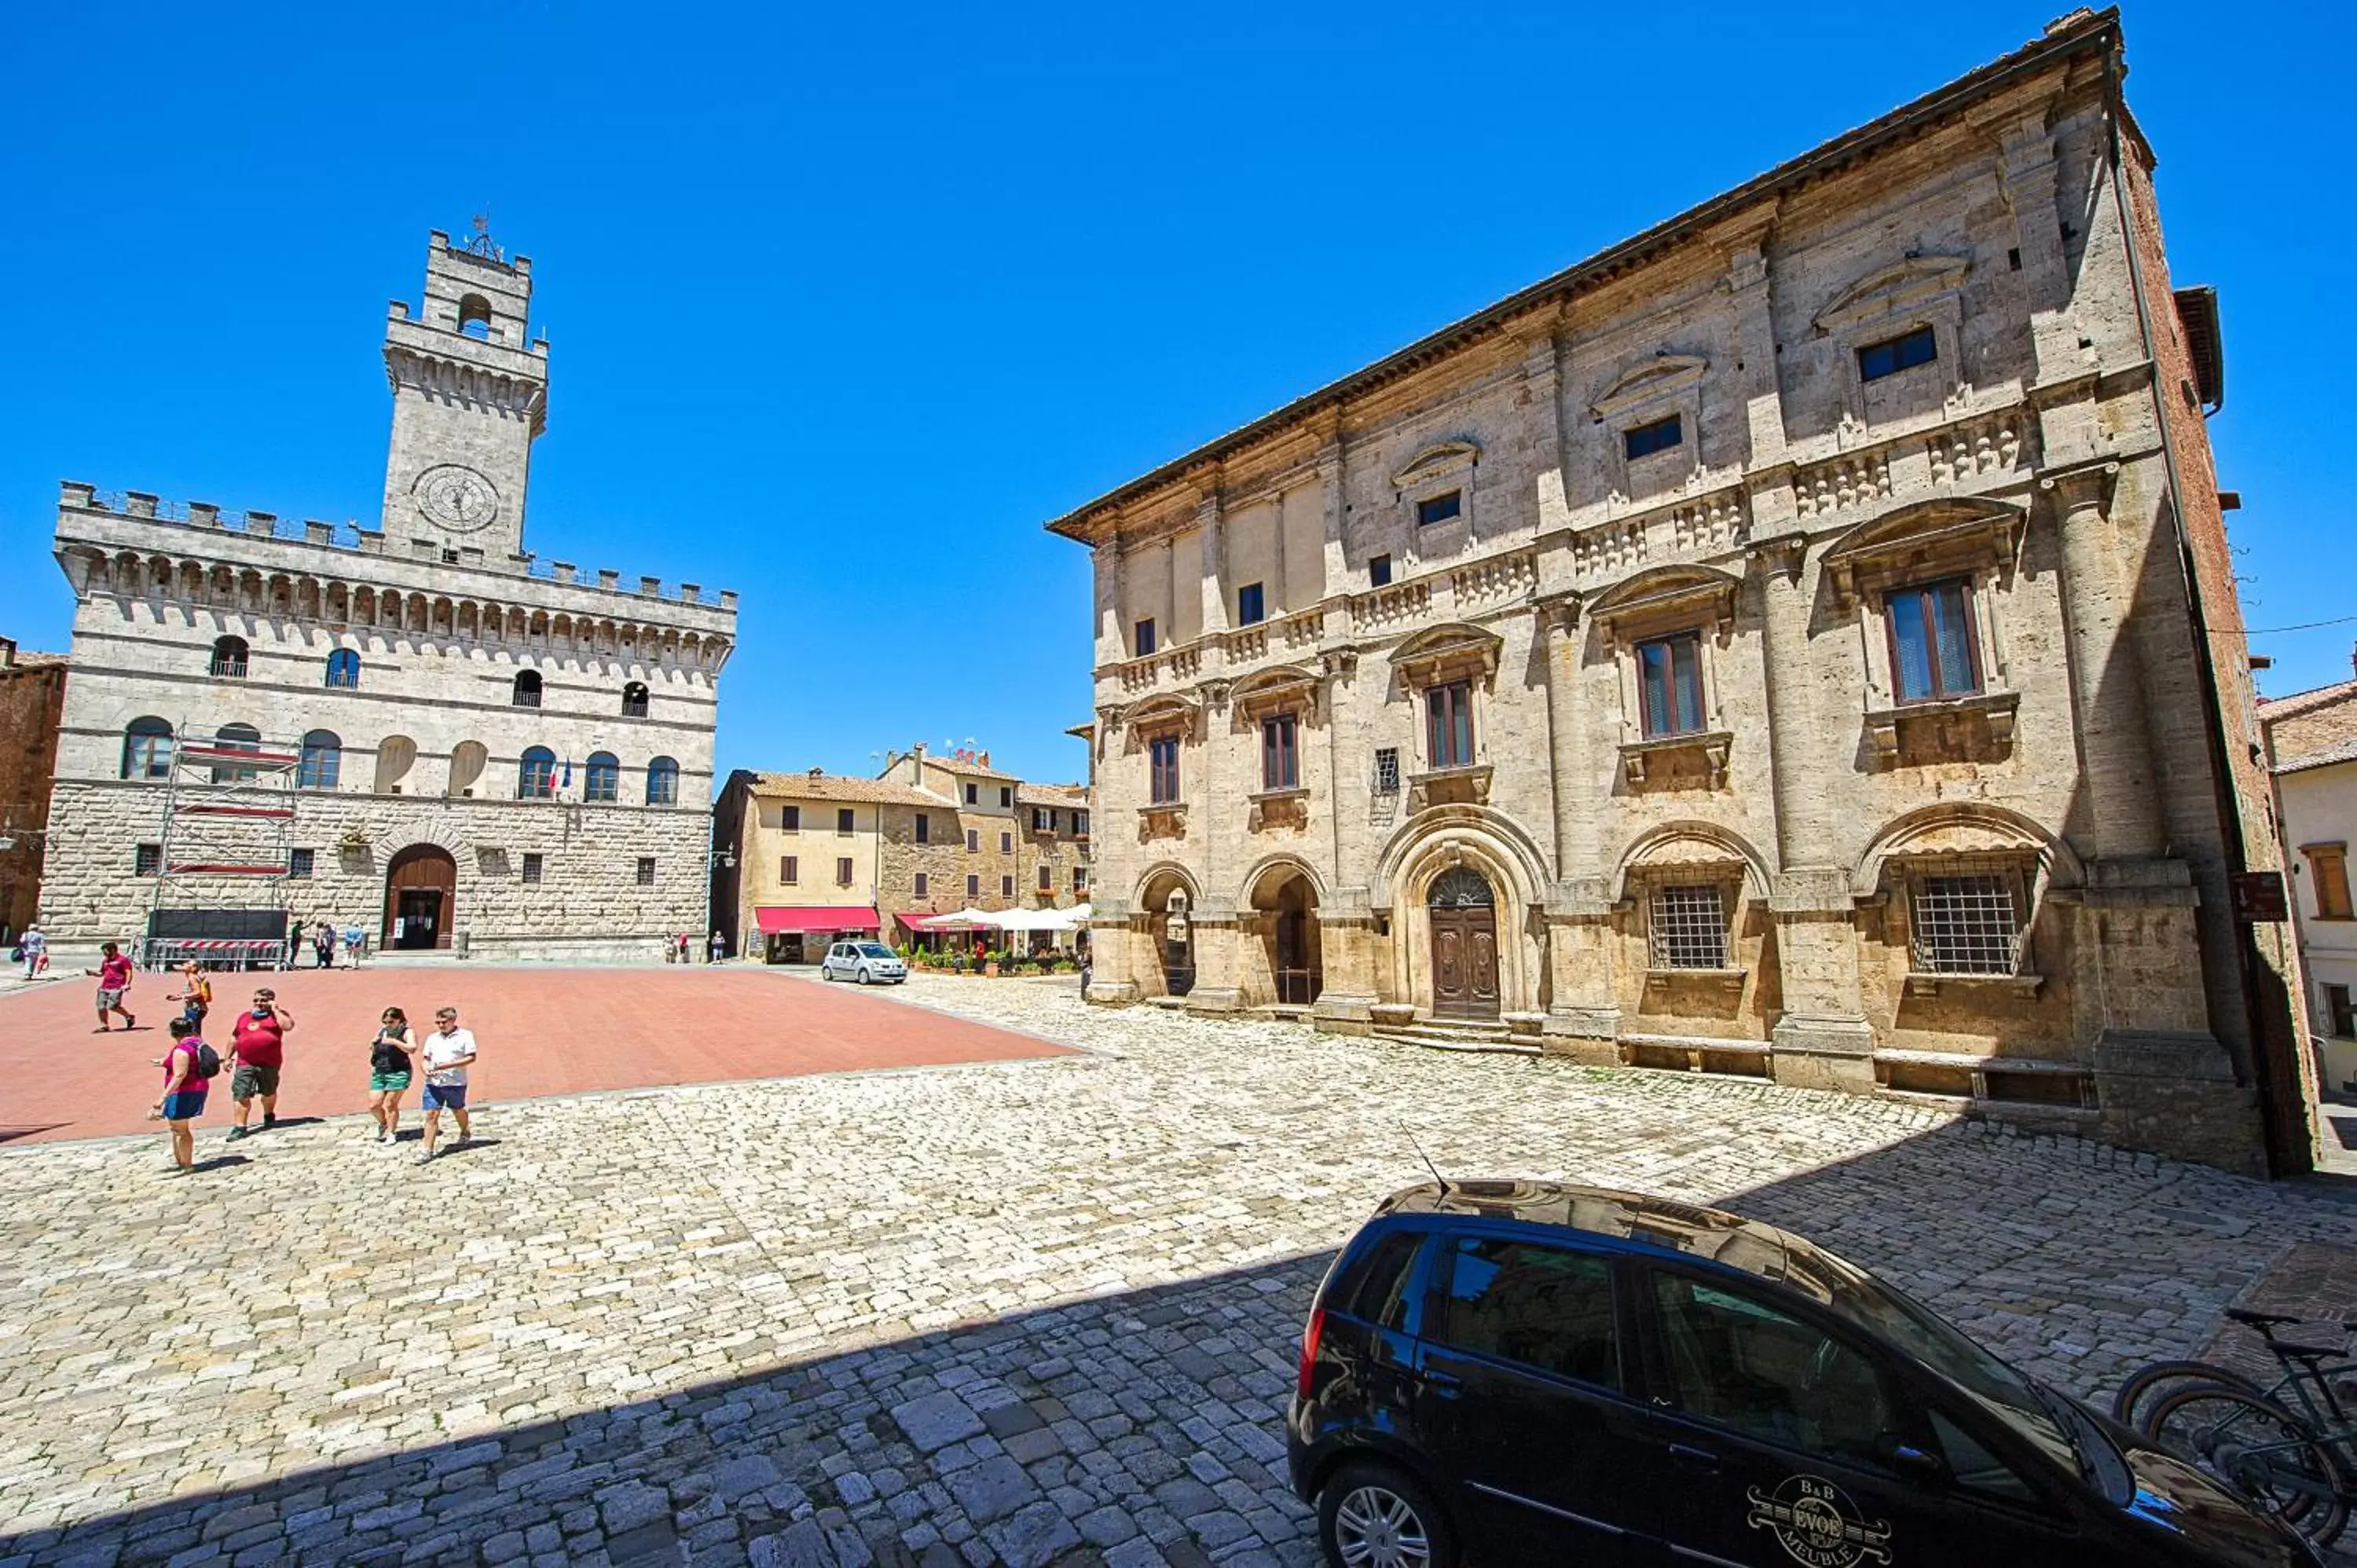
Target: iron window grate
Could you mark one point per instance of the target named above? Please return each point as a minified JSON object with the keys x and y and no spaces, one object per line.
{"x":1686,"y":928}
{"x":1966,"y":925}
{"x":1387,"y":779}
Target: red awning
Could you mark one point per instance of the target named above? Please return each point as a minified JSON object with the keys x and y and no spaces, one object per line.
{"x":805,"y":918}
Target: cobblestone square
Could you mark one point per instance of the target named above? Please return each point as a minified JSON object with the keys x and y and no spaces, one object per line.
{"x":1022,"y":1311}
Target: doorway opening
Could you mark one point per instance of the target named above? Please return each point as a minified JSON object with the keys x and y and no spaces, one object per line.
{"x":420,"y":900}
{"x":1463,"y":911}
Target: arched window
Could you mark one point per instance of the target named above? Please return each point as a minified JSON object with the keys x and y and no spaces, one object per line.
{"x":230,"y":655}
{"x":604,"y":777}
{"x":395,"y":755}
{"x":147,"y":749}
{"x":634,"y":700}
{"x":475,"y":316}
{"x":344,"y":669}
{"x":662,"y":782}
{"x":467,"y":759}
{"x":527,"y":689}
{"x":322,"y":760}
{"x":236,"y":738}
{"x":536,"y":775}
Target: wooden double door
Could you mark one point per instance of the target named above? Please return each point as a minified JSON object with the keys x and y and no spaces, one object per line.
{"x":421,"y":896}
{"x":1464,"y":946}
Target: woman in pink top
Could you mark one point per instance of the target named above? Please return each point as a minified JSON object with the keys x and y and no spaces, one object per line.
{"x":113,"y":973}
{"x":184,"y":1093}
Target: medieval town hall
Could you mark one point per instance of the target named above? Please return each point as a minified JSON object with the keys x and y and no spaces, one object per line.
{"x":420,"y":727}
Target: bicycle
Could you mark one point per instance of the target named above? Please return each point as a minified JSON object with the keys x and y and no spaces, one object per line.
{"x":2293,"y":1462}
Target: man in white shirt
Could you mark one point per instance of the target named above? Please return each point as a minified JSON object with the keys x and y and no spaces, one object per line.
{"x":446,"y":1052}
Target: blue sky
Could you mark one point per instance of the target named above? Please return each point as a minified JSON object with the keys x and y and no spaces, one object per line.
{"x":845,"y":302}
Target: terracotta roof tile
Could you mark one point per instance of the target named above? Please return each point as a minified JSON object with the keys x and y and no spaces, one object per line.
{"x":834,"y":787}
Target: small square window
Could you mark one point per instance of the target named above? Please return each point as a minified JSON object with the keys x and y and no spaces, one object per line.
{"x":791,"y":872}
{"x":1893,"y":355}
{"x":1966,"y":925}
{"x":1660,"y":436}
{"x":300,"y":861}
{"x":924,"y":828}
{"x":1378,"y":570}
{"x":1145,"y":637}
{"x":1387,"y":770}
{"x":1439,"y":508}
{"x":1006,"y":887}
{"x":531,"y":865}
{"x":972,"y":886}
{"x":973,"y":794}
{"x":646,"y":871}
{"x":842,"y":871}
{"x":791,"y":819}
{"x":1686,"y":928}
{"x":1047,"y":878}
{"x":1250,"y":610}
{"x":924,"y":888}
{"x":1007,"y":797}
{"x":147,"y":859}
{"x":1079,"y":879}
{"x":974,"y":841}
{"x":842,"y":820}
{"x":1007,"y":844}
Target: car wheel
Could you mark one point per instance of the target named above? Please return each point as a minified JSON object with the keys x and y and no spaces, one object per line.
{"x":1372,"y":1515}
{"x":866,"y":976}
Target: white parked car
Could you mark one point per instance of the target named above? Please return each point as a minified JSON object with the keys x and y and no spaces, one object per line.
{"x":866,"y":963}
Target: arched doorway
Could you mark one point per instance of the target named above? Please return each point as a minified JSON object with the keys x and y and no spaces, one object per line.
{"x":1169,"y":935}
{"x":1286,"y":904}
{"x":1463,"y":911}
{"x":421,"y":899}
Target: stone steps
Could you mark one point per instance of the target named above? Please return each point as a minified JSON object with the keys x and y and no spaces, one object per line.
{"x":1471,"y":1035}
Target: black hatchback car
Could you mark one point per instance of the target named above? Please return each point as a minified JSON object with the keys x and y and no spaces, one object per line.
{"x":1522,"y":1372}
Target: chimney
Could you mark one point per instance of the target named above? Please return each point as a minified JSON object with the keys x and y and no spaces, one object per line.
{"x":983,"y":760}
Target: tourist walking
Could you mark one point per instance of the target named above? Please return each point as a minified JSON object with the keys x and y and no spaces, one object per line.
{"x":184,"y":1082}
{"x":113,"y":973}
{"x":355,"y":939}
{"x":448,"y":1051}
{"x":257,"y":1049}
{"x":719,"y":947}
{"x":35,"y":946}
{"x":389,"y":1068}
{"x":323,"y":944}
{"x":195,"y":995}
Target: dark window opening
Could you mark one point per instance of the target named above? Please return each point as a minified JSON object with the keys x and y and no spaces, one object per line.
{"x":924,"y":885}
{"x":1966,"y":925}
{"x":1644,"y":440}
{"x":147,"y":859}
{"x":1145,"y":637}
{"x":1448,"y":723}
{"x":646,"y":871}
{"x":789,"y":818}
{"x":1935,"y":652}
{"x":1440,"y":508}
{"x":229,"y":657}
{"x":924,"y":828}
{"x":299,"y":863}
{"x":844,"y":820}
{"x":634,"y":700}
{"x":842,"y":871}
{"x":1387,"y":770}
{"x":1250,"y":609}
{"x":2337,"y":1005}
{"x":532,"y":864}
{"x":792,"y":871}
{"x":1893,"y":355}
{"x":1378,"y":570}
{"x":1163,"y":755}
{"x":1280,"y":755}
{"x":525,"y":694}
{"x":1686,"y":928}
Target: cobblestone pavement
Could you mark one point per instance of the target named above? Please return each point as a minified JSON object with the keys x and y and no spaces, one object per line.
{"x":1025,"y":1312}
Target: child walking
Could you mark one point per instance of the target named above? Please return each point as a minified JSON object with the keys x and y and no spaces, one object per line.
{"x":390,"y":1064}
{"x":113,"y":973}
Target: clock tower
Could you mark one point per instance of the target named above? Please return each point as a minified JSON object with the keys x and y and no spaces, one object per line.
{"x":469,"y":393}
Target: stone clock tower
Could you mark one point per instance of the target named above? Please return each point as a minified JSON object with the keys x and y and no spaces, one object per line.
{"x":470,"y":392}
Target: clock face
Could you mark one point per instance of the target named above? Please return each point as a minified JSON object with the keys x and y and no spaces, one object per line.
{"x":455,"y":496}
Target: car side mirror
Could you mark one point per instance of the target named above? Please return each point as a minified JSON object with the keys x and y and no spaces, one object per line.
{"x":1920,"y":1466}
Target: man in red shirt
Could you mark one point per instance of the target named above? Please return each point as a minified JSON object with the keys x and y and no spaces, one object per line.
{"x":256,"y":1051}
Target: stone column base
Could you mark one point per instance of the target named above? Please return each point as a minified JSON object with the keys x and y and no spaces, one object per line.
{"x":1589,"y":1036}
{"x":1112,"y":993}
{"x":1344,"y":1012}
{"x":2175,"y":1094}
{"x":1825,"y":1051}
{"x":1215,"y":999}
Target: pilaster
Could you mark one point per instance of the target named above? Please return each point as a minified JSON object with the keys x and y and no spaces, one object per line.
{"x":1218,"y":979}
{"x":1583,"y":1015}
{"x":1347,"y":950}
{"x":1821,"y":1039}
{"x":2108,"y":688}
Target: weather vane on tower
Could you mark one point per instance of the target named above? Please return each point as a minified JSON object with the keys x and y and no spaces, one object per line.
{"x":481,"y":243}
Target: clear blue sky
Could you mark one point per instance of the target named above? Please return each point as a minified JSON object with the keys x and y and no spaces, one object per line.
{"x":844,"y":302}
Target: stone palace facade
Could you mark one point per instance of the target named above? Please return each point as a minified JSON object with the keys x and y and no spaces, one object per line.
{"x":1774,"y":646}
{"x":418,"y":727}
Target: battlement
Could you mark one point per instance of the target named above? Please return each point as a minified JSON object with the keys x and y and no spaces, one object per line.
{"x":205,"y":516}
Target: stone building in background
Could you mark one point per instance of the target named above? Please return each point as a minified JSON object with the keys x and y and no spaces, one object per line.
{"x":32,"y":699}
{"x":813,"y":857}
{"x":2311,"y":744}
{"x":419,"y":727}
{"x":1799,"y":641}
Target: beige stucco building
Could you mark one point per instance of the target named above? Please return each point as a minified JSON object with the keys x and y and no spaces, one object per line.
{"x":418,"y":727}
{"x":2311,"y":739}
{"x":1773,"y":646}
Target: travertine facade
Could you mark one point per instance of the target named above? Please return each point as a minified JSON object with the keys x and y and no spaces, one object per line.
{"x":32,"y":699}
{"x":1772,"y":646}
{"x":2311,"y":740}
{"x":498,"y":754}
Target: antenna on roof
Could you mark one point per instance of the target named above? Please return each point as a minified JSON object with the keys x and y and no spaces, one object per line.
{"x":1441,"y":1181}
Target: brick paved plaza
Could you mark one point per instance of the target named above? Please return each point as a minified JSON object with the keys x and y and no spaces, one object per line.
{"x":1022,"y":1311}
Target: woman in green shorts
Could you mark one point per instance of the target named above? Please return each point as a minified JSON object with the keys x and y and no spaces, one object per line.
{"x":389,"y":1068}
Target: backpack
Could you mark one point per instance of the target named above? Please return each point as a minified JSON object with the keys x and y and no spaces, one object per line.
{"x":207,"y":1060}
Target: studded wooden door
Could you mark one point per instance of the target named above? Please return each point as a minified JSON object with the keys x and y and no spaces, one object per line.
{"x":1464,"y":945}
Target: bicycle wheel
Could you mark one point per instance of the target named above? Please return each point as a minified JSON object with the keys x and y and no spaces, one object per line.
{"x":2261,"y":1451}
{"x":2146,"y":1384}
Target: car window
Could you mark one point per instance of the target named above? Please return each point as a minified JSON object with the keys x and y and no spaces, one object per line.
{"x":875,"y":949}
{"x":1541,"y":1306}
{"x":1373,"y":1286}
{"x":1742,"y":1364}
{"x":1973,"y":1466}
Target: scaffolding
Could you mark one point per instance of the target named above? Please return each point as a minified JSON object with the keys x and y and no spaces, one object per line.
{"x":229,"y":816}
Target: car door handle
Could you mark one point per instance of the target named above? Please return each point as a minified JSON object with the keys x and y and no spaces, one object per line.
{"x":1694,"y":1458}
{"x":1443,"y":1384}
